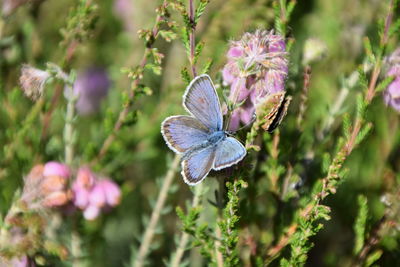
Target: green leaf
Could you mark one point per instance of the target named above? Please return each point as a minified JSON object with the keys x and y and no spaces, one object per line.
{"x":373,"y":257}
{"x":384,"y":84}
{"x":360,"y":224}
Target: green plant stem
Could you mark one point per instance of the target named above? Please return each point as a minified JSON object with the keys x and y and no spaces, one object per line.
{"x":26,"y":126}
{"x":309,"y":214}
{"x":192,"y":40}
{"x":127,"y":108}
{"x":185,"y":237}
{"x":218,"y":233}
{"x":155,"y":216}
{"x":69,"y":130}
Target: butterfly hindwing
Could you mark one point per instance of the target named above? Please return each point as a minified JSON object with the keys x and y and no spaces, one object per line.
{"x":201,"y":100}
{"x":197,"y":165}
{"x":183,"y":132}
{"x":229,"y":152}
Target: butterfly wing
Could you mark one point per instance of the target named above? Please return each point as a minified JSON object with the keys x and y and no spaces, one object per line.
{"x":280,"y":114}
{"x":201,"y":100}
{"x":276,"y":105}
{"x":197,"y":165}
{"x":183,"y":132}
{"x":229,"y":152}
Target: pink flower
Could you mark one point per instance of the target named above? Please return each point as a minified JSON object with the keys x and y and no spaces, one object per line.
{"x":54,"y":168}
{"x":391,"y":95}
{"x":91,"y":86}
{"x":256,"y":67}
{"x":93,"y":195}
{"x":91,"y":212}
{"x":111,"y":191}
{"x":46,"y":186}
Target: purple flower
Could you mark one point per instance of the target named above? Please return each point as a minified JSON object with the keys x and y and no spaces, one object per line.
{"x":391,"y":95}
{"x":91,"y":86}
{"x":54,"y":168}
{"x":93,"y":195}
{"x":46,"y":186}
{"x":124,"y":10}
{"x":256,"y":67}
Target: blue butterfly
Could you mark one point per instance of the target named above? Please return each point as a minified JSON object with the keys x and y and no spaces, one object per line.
{"x":200,"y":138}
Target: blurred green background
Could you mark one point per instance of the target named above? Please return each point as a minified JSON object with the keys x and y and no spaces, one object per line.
{"x":138,"y":159}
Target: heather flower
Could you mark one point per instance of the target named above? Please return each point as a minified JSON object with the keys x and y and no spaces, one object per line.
{"x":391,"y":95}
{"x":32,"y":81}
{"x":46,"y":186}
{"x":93,"y":195}
{"x":22,"y":261}
{"x":256,"y":67}
{"x":91,"y":86}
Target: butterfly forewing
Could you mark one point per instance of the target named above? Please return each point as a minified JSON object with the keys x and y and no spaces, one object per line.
{"x":280,"y":114}
{"x":229,"y":152}
{"x":197,"y":165}
{"x":275,"y":106}
{"x":183,"y":132}
{"x":201,"y":100}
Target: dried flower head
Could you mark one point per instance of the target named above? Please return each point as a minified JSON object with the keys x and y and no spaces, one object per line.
{"x":256,"y":67}
{"x":46,"y":186}
{"x":32,"y":81}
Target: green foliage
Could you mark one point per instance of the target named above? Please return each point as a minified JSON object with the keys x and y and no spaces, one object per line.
{"x":296,"y":179}
{"x":228,"y":224}
{"x":360,"y":224}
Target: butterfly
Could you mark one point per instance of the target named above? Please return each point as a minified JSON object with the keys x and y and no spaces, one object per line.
{"x":277,"y":104}
{"x":200,"y":137}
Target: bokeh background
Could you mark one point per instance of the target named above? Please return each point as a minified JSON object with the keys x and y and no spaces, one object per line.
{"x":138,"y":159}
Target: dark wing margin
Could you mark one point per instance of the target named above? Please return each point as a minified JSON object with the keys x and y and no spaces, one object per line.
{"x":201,"y":100}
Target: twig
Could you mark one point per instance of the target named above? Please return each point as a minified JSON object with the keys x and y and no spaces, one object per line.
{"x":162,"y":197}
{"x":304,"y":97}
{"x":192,"y":37}
{"x":185,"y":237}
{"x":69,"y":129}
{"x":126,"y":109}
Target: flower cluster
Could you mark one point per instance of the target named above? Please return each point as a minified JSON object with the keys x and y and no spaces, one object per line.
{"x":93,"y":195}
{"x":256,"y":67}
{"x":46,"y":186}
{"x":392,"y":93}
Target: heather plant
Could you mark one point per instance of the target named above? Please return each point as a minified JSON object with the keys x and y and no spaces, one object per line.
{"x":310,"y":89}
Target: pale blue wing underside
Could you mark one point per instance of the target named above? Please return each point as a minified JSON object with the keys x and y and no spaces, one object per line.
{"x":183,"y":132}
{"x":201,"y":100}
{"x":229,"y":152}
{"x":197,"y":165}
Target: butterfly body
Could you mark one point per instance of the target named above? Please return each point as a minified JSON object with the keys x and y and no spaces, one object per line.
{"x":200,"y":138}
